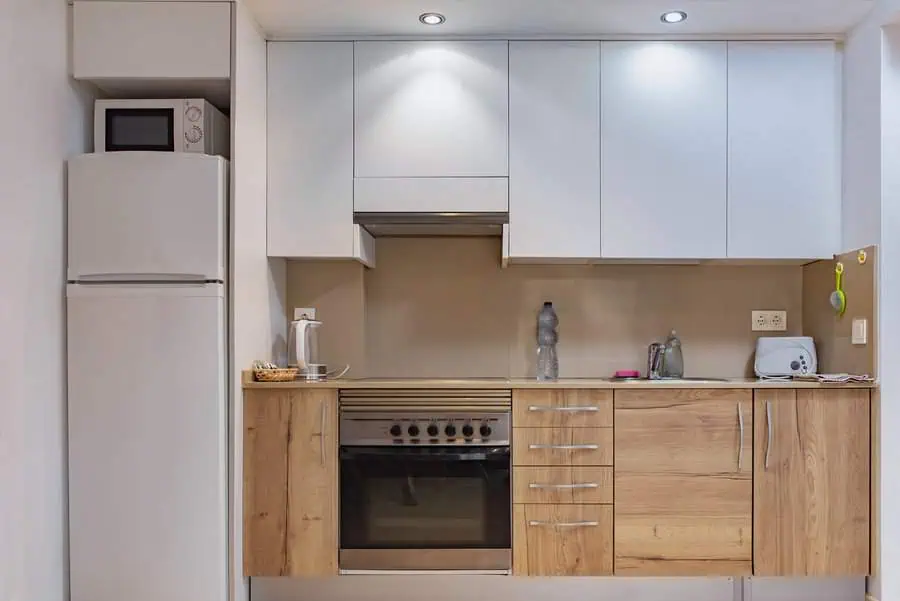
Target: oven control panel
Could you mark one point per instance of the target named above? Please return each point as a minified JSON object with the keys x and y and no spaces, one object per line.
{"x":382,"y":429}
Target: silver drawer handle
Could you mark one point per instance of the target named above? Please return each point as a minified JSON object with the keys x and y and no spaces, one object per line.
{"x":584,"y":408}
{"x":565,"y":447}
{"x":565,"y":486}
{"x":563,"y":524}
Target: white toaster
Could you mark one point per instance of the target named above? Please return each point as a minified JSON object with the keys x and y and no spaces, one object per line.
{"x":779,"y":357}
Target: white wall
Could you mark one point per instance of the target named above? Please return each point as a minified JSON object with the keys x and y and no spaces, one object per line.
{"x":871,"y":214}
{"x":889,"y":284}
{"x":43,"y":117}
{"x":257,"y":284}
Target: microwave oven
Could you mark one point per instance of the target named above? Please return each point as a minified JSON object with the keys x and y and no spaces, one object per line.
{"x":165,"y":125}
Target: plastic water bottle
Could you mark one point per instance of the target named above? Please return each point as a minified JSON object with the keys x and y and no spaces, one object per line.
{"x":547,"y":337}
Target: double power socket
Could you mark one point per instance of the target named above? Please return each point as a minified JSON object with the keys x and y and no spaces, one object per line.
{"x":769,"y":321}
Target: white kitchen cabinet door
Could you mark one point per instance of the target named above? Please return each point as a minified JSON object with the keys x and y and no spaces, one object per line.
{"x":151,"y":40}
{"x":663,"y":119}
{"x":554,"y":150}
{"x":783,"y":150}
{"x":310,"y":151}
{"x":431,"y":109}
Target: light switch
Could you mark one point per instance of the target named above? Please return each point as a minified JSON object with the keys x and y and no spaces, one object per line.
{"x":860,"y":325}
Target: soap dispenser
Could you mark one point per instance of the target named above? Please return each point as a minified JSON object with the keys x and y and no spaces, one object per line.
{"x":673,"y":360}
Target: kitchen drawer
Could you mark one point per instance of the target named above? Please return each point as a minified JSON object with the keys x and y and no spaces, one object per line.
{"x":563,"y":485}
{"x":562,"y":540}
{"x":562,"y":446}
{"x":566,"y":408}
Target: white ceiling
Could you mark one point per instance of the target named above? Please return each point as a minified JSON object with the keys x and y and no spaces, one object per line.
{"x":302,"y":19}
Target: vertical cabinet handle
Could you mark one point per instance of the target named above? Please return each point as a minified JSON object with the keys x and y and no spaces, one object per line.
{"x":768,"y":432}
{"x":741,"y":439}
{"x":322,"y":434}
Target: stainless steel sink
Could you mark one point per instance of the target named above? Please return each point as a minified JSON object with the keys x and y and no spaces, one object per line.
{"x":688,"y":379}
{"x":662,"y":381}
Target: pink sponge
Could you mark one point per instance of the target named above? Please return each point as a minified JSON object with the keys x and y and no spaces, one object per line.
{"x":628,"y":373}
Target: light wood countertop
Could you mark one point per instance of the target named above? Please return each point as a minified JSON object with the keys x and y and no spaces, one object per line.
{"x":503,"y":383}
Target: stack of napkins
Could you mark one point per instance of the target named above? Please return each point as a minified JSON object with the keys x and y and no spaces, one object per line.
{"x":836,"y":378}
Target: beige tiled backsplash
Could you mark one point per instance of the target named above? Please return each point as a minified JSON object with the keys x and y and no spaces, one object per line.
{"x":443,"y":307}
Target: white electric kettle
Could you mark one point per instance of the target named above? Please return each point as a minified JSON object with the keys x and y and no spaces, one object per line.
{"x":303,"y":349}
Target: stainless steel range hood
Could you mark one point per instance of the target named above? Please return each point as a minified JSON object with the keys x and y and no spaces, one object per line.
{"x":381,"y":225}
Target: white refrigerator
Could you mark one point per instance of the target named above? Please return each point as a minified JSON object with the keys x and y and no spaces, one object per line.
{"x":147,"y":377}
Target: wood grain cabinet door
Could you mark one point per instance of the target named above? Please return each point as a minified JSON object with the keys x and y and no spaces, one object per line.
{"x":811,"y":482}
{"x":562,"y":540}
{"x":683,"y":487}
{"x":290,"y":483}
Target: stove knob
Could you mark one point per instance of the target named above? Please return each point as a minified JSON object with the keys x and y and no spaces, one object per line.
{"x":485,"y":430}
{"x":468,"y":430}
{"x":433,"y":430}
{"x":450,"y":430}
{"x":413,"y":431}
{"x":396,"y":430}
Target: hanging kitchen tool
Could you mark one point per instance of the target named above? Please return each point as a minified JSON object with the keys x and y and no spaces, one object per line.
{"x":838,"y":298}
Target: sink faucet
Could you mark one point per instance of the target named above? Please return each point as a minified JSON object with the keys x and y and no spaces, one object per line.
{"x":664,"y":360}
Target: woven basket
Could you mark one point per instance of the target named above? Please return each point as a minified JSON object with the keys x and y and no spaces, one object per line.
{"x":275,"y":375}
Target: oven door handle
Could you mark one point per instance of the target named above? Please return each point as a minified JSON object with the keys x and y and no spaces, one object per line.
{"x":426,"y":453}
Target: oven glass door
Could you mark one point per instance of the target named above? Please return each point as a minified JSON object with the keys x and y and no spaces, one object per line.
{"x":140,"y":129}
{"x":446,"y":497}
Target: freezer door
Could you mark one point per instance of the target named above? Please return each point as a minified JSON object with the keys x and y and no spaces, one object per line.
{"x":146,"y":216}
{"x":147,"y":435}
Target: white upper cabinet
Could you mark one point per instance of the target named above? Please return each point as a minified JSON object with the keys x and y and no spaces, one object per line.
{"x":431,"y":109}
{"x":151,"y":40}
{"x":554,"y":150}
{"x":663,"y":149}
{"x":310,"y":151}
{"x":783,"y":150}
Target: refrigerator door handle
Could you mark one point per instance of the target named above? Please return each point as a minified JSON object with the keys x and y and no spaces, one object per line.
{"x":92,"y":278}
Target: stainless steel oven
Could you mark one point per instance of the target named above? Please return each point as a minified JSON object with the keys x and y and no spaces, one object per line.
{"x":425,"y":481}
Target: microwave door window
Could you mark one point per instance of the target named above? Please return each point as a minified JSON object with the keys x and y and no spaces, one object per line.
{"x":140,"y":129}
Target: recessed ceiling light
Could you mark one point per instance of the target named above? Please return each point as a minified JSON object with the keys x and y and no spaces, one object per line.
{"x":432,"y":18}
{"x":673,"y":16}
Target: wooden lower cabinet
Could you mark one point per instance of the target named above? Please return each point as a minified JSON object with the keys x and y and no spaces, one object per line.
{"x":683,"y":482}
{"x":811,"y":482}
{"x":290,"y":482}
{"x":562,"y":540}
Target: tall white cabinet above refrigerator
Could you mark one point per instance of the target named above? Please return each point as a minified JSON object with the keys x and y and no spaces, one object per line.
{"x":147,"y":383}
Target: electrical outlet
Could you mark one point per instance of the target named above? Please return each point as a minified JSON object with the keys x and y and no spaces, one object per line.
{"x":300,"y":312}
{"x":778,"y":321}
{"x":768,"y":321}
